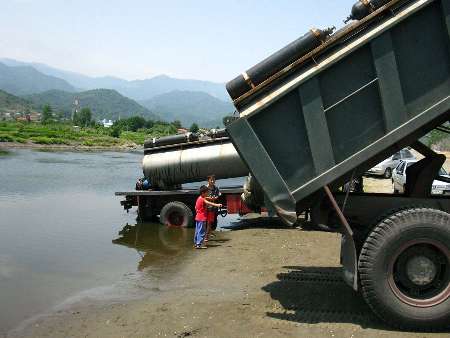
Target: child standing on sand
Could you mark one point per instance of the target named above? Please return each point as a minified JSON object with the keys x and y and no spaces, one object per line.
{"x":201,"y":217}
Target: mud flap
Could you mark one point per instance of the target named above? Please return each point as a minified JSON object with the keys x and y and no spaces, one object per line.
{"x":349,"y":260}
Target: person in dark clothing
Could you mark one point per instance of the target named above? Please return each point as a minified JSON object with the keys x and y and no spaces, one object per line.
{"x":213,"y":196}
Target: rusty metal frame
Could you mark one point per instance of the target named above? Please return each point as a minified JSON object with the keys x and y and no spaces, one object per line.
{"x":349,"y":258}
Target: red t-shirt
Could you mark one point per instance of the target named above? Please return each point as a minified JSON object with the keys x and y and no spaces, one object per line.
{"x":200,"y":209}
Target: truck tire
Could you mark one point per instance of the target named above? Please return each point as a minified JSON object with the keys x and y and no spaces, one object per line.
{"x":176,"y":214}
{"x":404,"y":269}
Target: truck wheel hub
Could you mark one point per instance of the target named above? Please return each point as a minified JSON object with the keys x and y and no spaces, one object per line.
{"x":175,"y":219}
{"x":420,"y":273}
{"x":421,"y":270}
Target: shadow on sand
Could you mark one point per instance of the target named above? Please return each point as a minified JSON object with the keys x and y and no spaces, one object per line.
{"x":319,"y":295}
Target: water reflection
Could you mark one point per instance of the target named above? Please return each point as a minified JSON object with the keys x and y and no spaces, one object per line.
{"x":156,"y":244}
{"x":4,"y":152}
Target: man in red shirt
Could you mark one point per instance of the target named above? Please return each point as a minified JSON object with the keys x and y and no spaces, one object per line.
{"x":201,"y":217}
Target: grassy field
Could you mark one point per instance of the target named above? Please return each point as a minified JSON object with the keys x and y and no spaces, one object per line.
{"x":66,"y":135}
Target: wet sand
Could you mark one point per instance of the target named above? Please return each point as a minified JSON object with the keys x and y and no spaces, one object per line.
{"x":254,"y":282}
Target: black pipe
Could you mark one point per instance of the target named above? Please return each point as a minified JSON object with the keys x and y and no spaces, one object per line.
{"x":363,"y":8}
{"x":169,"y":140}
{"x":276,"y":62}
{"x":218,"y":133}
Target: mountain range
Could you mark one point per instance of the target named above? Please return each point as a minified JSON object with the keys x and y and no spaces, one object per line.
{"x":189,"y":107}
{"x":104,"y":103}
{"x":23,"y":80}
{"x":169,"y":98}
{"x":13,"y":104}
{"x":136,"y":89}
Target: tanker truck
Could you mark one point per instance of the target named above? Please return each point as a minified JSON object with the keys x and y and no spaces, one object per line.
{"x":327,"y":108}
{"x":171,"y":162}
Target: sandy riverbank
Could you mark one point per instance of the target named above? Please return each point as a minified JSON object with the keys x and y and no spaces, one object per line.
{"x":259,"y":282}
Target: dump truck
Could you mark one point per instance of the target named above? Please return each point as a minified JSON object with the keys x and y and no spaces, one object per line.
{"x":360,"y":95}
{"x":319,"y":113}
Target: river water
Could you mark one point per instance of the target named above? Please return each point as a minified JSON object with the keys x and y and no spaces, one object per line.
{"x":65,"y":238}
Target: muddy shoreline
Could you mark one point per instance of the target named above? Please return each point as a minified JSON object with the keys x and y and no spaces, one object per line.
{"x":63,"y":147}
{"x":254,"y":282}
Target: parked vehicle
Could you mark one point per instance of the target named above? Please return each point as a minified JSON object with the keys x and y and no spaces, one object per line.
{"x":399,"y":179}
{"x":386,"y":167}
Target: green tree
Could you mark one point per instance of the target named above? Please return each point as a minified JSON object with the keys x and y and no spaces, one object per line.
{"x":136,"y":122}
{"x":83,"y":118}
{"x":149,"y":124}
{"x":115,"y":131}
{"x":60,"y":115}
{"x":194,"y":128}
{"x":47,"y":114}
{"x":177,"y":124}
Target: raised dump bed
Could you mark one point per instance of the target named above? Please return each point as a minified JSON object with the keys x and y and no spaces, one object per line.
{"x":372,"y":89}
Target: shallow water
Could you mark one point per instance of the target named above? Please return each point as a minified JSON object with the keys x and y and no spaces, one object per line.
{"x":64,"y":236}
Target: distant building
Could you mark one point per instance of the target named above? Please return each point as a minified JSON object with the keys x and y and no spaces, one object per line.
{"x":6,"y":116}
{"x":107,"y":123}
{"x":34,"y":117}
{"x":22,"y":119}
{"x":182,"y":131}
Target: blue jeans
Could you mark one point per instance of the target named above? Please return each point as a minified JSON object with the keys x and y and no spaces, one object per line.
{"x":200,"y":231}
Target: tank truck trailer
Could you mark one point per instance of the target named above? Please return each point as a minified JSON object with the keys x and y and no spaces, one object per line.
{"x":328,"y":107}
{"x":172,"y":161}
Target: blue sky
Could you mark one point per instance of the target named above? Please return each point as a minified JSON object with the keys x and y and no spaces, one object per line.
{"x":136,"y":39}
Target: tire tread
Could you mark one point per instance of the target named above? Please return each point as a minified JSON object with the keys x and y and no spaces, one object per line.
{"x":386,"y":227}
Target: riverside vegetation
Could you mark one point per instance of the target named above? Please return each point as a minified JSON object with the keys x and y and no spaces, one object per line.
{"x":130,"y":132}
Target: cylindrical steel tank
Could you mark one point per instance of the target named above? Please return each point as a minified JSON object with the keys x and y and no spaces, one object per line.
{"x":363,"y":8}
{"x":170,"y":140}
{"x":171,"y":168}
{"x":276,"y":62}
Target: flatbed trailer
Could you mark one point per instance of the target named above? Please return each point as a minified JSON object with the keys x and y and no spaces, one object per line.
{"x":373,"y":88}
{"x":177,"y":207}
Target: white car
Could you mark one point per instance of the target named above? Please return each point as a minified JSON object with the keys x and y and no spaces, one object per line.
{"x":386,"y":167}
{"x":399,"y":179}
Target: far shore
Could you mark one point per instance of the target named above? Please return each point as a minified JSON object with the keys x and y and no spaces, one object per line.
{"x":77,"y":147}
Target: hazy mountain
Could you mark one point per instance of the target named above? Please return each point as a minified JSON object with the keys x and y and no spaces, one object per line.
{"x":190,"y":107}
{"x":23,"y":80}
{"x":189,"y":101}
{"x":137,"y":89}
{"x":104,"y":103}
{"x":77,"y":80}
{"x":147,"y":89}
{"x":12,"y":104}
